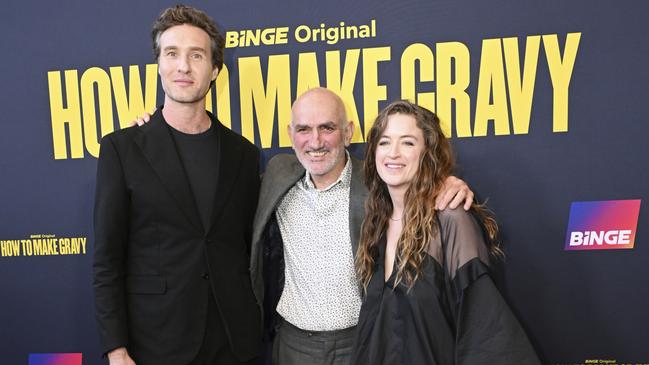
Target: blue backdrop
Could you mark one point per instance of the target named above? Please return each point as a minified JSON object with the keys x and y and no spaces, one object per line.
{"x":545,"y":103}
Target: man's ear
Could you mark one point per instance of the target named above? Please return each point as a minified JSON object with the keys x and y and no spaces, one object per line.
{"x":215,"y":73}
{"x":349,"y":132}
{"x":288,"y":131}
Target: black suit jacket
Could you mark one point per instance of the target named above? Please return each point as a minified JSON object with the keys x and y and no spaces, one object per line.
{"x":153,"y":259}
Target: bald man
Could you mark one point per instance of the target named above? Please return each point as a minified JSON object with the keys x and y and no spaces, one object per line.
{"x":306,"y":233}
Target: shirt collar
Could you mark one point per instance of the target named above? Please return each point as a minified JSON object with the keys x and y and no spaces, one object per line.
{"x":344,"y":179}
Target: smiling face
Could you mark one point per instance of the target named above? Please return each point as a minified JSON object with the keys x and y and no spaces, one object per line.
{"x":185,"y":64}
{"x":320,"y":133}
{"x":399,"y":151}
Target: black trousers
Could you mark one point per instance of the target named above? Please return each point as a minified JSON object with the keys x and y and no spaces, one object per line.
{"x":215,"y":349}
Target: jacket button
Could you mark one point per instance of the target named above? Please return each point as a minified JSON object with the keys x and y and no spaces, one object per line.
{"x":205,"y":276}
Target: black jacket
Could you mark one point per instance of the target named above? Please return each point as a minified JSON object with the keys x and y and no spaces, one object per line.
{"x":154,"y":261}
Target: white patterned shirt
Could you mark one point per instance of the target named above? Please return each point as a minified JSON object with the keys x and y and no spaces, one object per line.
{"x":320,"y":289}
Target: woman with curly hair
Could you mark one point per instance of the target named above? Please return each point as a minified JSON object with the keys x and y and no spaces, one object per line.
{"x":428,"y":296}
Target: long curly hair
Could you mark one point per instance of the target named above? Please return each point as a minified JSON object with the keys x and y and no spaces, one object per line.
{"x":436,"y":163}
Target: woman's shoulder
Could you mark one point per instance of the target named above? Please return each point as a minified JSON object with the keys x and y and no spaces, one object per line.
{"x":463,"y":236}
{"x":458,"y":217}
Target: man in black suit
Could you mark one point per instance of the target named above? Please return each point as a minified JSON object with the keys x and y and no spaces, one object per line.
{"x":174,"y":206}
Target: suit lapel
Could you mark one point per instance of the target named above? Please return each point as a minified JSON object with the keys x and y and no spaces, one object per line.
{"x":159,"y":148}
{"x":282,"y":172}
{"x":275,"y":187}
{"x":230,"y":155}
{"x":357,"y":197}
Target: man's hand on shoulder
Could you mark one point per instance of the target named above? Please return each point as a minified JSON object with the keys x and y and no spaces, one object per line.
{"x":454,"y":192}
{"x":144,"y":119}
{"x":119,"y":356}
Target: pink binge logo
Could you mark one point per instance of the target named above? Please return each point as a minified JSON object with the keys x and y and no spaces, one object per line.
{"x":602,"y":225}
{"x":55,"y":359}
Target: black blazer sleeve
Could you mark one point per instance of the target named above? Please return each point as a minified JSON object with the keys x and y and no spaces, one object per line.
{"x":111,"y":221}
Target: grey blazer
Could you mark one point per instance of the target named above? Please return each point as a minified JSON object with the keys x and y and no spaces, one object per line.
{"x":282,"y":172}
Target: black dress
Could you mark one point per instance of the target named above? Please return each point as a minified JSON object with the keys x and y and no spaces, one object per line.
{"x":452,"y":315}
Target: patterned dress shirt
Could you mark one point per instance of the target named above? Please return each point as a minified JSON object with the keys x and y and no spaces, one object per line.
{"x":320,"y":290}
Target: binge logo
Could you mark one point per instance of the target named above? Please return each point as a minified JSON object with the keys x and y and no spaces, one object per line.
{"x":602,"y":225}
{"x":55,"y":359}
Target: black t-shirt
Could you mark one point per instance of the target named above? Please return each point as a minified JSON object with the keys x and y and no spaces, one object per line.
{"x":199,"y":154}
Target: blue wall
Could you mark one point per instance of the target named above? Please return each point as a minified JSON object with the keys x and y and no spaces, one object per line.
{"x":585,"y":141}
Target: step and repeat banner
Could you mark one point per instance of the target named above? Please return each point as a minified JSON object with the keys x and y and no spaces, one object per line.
{"x":545,"y":104}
